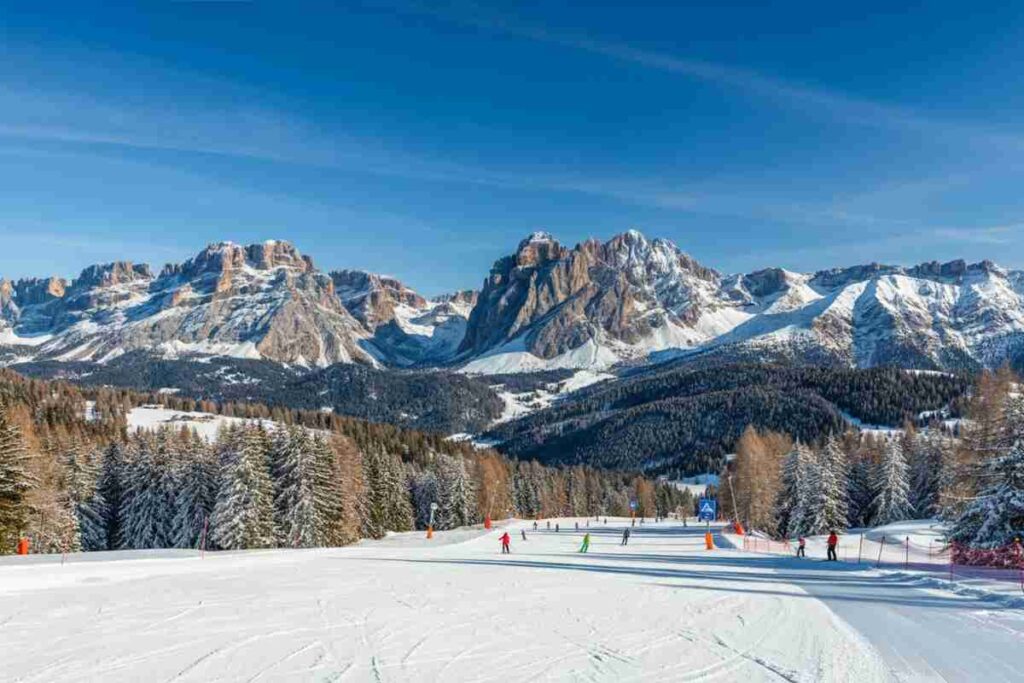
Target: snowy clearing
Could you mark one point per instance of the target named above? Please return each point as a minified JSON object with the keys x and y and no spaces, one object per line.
{"x":455,"y":609}
{"x":206,"y":425}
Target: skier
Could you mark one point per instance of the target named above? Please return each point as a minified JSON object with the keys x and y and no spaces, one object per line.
{"x":586,"y":543}
{"x":577,"y":526}
{"x":505,"y":541}
{"x":524,"y":533}
{"x":534,"y":525}
{"x":549,"y":525}
{"x":633,"y":522}
{"x":625,"y":536}
{"x":801,"y":547}
{"x":588,"y":523}
{"x":556,"y":527}
{"x":833,"y":541}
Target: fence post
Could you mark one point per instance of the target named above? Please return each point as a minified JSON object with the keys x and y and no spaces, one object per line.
{"x":860,"y":548}
{"x":880,"y":548}
{"x":952,"y":547}
{"x":906,"y":556}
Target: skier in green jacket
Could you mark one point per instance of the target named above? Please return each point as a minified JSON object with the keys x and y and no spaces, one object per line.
{"x":586,"y":543}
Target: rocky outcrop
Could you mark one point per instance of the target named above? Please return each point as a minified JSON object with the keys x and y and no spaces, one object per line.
{"x":371,"y":298}
{"x":626,"y":290}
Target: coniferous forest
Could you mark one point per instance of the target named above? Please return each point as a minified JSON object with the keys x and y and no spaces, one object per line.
{"x":73,"y":476}
{"x":682,"y":420}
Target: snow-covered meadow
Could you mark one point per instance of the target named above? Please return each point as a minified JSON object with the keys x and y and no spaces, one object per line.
{"x":455,"y":609}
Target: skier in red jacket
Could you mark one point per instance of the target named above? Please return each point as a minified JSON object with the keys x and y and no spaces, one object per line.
{"x":505,"y":540}
{"x":833,"y":541}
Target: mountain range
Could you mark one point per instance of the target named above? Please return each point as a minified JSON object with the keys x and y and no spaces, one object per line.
{"x":545,"y":306}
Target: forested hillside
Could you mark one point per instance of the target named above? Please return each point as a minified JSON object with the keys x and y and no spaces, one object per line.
{"x":680,"y":419}
{"x":73,"y":476}
{"x":438,"y":401}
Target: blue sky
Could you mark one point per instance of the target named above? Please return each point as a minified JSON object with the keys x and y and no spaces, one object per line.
{"x":424,"y":140}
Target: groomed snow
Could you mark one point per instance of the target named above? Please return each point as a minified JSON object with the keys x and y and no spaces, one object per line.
{"x":454,"y":609}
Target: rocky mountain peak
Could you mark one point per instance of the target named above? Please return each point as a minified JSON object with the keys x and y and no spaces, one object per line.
{"x":537,"y":248}
{"x":34,"y":291}
{"x":111,"y":274}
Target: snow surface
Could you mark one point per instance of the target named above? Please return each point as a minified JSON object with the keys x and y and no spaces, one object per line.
{"x":206,"y":425}
{"x":454,"y":609}
{"x":523,"y":403}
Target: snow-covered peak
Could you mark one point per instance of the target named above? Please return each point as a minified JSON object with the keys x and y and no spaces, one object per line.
{"x":539,"y":236}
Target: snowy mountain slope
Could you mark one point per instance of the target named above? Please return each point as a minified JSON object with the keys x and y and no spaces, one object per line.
{"x":407,"y":329}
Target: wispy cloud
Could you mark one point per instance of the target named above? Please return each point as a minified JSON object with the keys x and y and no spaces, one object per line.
{"x":994,"y":234}
{"x":807,"y":98}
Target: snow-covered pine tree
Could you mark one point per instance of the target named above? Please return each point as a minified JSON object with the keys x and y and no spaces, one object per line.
{"x":111,"y":485}
{"x":387,"y":494}
{"x":526,"y":495}
{"x":860,"y":492}
{"x":827,"y":504}
{"x":193,"y":502}
{"x":15,"y":483}
{"x":243,"y":514}
{"x":892,"y":486}
{"x":330,"y":492}
{"x":423,"y":487}
{"x":144,"y":513}
{"x":81,"y":474}
{"x":296,"y":513}
{"x":996,"y":517}
{"x":454,"y":492}
{"x":792,"y":501}
{"x":928,"y":471}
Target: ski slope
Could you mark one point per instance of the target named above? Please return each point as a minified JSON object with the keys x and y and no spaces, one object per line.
{"x":455,"y":609}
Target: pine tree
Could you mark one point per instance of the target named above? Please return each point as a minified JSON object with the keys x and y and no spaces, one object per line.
{"x":827,"y":506}
{"x":996,"y":517}
{"x":860,"y":492}
{"x":111,"y":486}
{"x":928,"y":472}
{"x":793,"y":497}
{"x":330,"y":492}
{"x":193,"y":502}
{"x":454,"y":493}
{"x":81,"y":471}
{"x":423,"y":486}
{"x":15,"y":483}
{"x":388,"y":505}
{"x":296,"y":513}
{"x":243,"y":514}
{"x":145,"y":515}
{"x":892,"y":486}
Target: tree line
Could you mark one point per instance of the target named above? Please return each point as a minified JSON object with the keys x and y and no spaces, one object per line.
{"x":971,"y":477}
{"x":72,"y":477}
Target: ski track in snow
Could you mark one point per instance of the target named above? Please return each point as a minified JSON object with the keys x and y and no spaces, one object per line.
{"x":405,"y":609}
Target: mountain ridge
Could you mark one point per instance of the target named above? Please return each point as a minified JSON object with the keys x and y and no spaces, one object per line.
{"x":544,"y":306}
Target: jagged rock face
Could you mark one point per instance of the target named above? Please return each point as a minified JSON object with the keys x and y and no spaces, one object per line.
{"x":627,"y":290}
{"x":543,"y":306}
{"x":264,"y":300}
{"x":372,"y":298}
{"x":407,"y":329}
